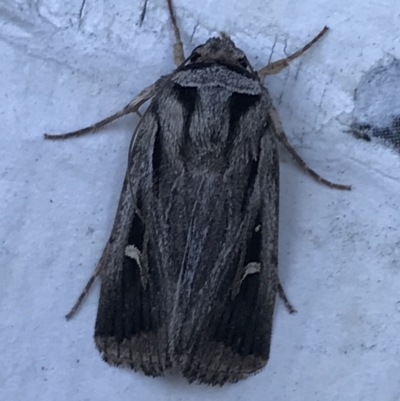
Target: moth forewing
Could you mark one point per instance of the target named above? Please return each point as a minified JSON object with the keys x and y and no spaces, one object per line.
{"x":189,"y":276}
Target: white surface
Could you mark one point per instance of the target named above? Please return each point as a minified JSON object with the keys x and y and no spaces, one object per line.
{"x":339,"y":251}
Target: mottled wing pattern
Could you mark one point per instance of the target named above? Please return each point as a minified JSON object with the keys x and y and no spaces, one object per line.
{"x":197,"y":289}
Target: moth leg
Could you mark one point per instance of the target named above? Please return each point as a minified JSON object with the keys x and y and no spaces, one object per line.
{"x":254,"y":267}
{"x":88,"y":286}
{"x":283,"y":139}
{"x":279,"y":65}
{"x":179,"y":54}
{"x":284,"y":298}
{"x":131,"y":107}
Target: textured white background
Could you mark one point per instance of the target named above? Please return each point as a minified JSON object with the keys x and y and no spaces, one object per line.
{"x":66,"y":66}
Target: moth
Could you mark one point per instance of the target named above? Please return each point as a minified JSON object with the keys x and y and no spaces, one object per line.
{"x":189,"y":276}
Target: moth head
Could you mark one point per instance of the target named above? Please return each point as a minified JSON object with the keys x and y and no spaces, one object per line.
{"x":220,"y":50}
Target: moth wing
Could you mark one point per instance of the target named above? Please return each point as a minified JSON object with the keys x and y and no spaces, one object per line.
{"x":198,"y":286}
{"x":236,"y":343}
{"x":127,"y":330}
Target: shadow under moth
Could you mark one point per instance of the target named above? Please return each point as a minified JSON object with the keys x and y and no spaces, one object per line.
{"x":189,"y":275}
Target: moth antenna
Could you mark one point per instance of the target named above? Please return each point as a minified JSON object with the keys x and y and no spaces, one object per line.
{"x":279,"y":65}
{"x":143,"y":13}
{"x":179,"y":54}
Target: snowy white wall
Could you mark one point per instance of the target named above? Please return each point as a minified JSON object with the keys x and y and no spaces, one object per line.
{"x":65,"y":65}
